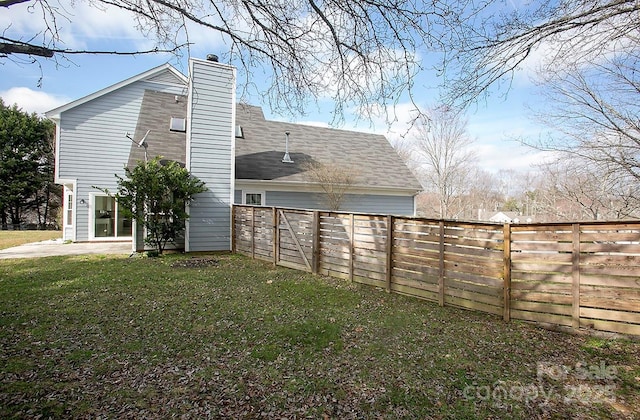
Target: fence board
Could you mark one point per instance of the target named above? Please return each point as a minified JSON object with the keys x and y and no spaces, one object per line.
{"x":541,"y":307}
{"x":589,"y":291}
{"x":470,"y":304}
{"x":368,"y":280}
{"x":332,"y":268}
{"x":617,"y":327}
{"x":541,"y":317}
{"x":458,"y":267}
{"x":524,"y":277}
{"x":414,"y":292}
{"x":609,"y":315}
{"x":540,"y":267}
{"x":559,"y":298}
{"x":474,"y":296}
{"x":425,"y":275}
{"x":473,"y":287}
{"x":417,"y":284}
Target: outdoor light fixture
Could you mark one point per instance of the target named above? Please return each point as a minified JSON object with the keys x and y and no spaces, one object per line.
{"x":286,"y":158}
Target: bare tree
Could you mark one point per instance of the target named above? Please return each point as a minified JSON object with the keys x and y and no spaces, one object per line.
{"x":595,"y":113}
{"x":483,"y":196}
{"x":359,"y":53}
{"x":438,"y":152}
{"x":335,"y":180}
{"x":365,"y":54}
{"x":493,"y":40}
{"x":573,"y":188}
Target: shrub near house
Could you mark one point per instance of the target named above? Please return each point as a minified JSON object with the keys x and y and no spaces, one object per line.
{"x":155,"y":195}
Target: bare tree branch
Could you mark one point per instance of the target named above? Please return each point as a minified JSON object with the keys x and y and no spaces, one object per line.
{"x":7,"y":3}
{"x":358,"y":53}
{"x":11,"y":46}
{"x":595,"y":113}
{"x":335,"y":181}
{"x":490,"y":48}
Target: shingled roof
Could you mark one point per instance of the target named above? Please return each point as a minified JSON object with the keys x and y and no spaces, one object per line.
{"x":260,"y":151}
{"x":155,"y":113}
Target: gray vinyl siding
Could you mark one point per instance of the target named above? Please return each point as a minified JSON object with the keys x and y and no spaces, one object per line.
{"x":211,"y":141}
{"x":168,"y":77}
{"x":93,"y":146}
{"x":379,"y":204}
{"x":357,"y":203}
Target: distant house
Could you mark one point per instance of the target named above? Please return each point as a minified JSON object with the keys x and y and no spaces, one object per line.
{"x":510,"y":217}
{"x":237,"y":152}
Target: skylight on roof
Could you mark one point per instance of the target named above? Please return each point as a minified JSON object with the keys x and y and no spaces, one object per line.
{"x":178,"y":124}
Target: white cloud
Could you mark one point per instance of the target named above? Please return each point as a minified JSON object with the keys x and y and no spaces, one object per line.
{"x":76,"y":25}
{"x":92,"y":25}
{"x":495,"y":131}
{"x":32,"y":100}
{"x":89,"y":23}
{"x":500,"y":155}
{"x":314,"y":124}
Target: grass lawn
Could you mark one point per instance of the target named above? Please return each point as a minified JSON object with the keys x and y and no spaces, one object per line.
{"x":10,"y":238}
{"x":225,"y":336}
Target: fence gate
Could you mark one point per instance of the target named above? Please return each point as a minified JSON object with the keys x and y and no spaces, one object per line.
{"x":294,"y":242}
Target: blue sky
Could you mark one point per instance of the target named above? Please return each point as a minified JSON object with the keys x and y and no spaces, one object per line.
{"x":493,"y":123}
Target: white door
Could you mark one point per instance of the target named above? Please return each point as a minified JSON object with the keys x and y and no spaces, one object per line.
{"x":69,"y":210}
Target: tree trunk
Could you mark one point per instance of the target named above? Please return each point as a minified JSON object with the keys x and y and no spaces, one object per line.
{"x":37,"y":204}
{"x":3,"y":219}
{"x":45,"y":212}
{"x":15,"y":216}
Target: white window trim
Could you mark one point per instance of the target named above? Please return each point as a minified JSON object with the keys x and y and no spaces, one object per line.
{"x":178,"y":124}
{"x":92,"y":225}
{"x":69,"y":206}
{"x":263,"y":196}
{"x":70,"y":188}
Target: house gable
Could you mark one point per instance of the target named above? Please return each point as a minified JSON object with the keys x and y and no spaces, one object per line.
{"x":91,"y":142}
{"x":163,"y":75}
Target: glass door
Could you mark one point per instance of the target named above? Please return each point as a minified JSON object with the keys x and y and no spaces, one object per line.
{"x":109,"y":221}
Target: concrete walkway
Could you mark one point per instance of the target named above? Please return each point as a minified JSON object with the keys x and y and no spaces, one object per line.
{"x":56,"y":247}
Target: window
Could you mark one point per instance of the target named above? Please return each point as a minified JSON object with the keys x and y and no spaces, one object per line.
{"x":108,"y":221}
{"x":69,"y":215}
{"x":239,"y":132}
{"x":178,"y":124}
{"x":253,"y":198}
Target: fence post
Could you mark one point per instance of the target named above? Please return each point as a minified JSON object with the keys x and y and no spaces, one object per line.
{"x":276,"y":236}
{"x":352,"y":248}
{"x":274,"y":233}
{"x":506,"y":314}
{"x":233,"y":228}
{"x":253,"y":232}
{"x":575,"y":276}
{"x":441,"y":266}
{"x":315,"y":263}
{"x":389,"y":251}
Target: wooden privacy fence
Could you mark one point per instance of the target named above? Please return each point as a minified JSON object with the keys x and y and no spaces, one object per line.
{"x":573,"y":275}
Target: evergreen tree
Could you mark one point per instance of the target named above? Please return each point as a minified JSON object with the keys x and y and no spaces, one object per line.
{"x":26,"y":170}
